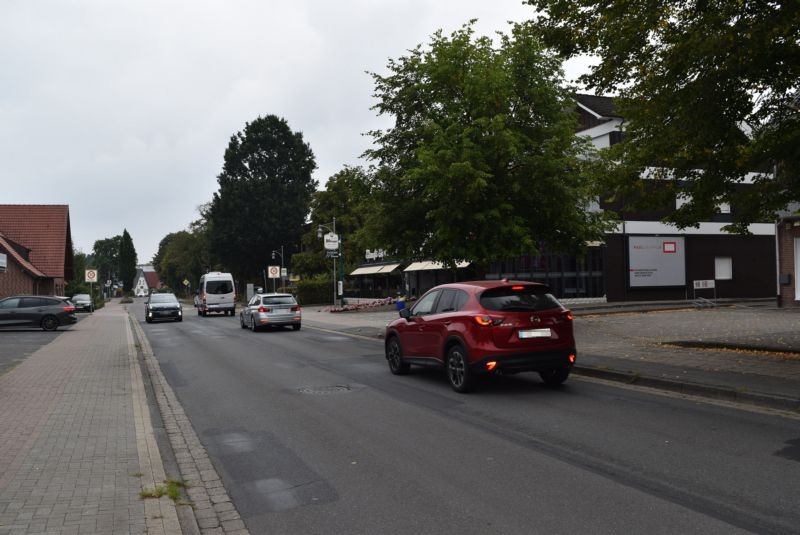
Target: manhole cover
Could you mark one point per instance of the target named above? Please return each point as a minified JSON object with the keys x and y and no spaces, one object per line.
{"x":324,"y":390}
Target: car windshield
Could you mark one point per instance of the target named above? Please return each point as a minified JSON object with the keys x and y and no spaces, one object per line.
{"x":518,"y":299}
{"x":163,"y":298}
{"x":80,"y":296}
{"x":279,"y":300}
{"x":219,"y":287}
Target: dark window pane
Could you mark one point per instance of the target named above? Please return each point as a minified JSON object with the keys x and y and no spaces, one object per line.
{"x":10,"y":303}
{"x":219,"y":287}
{"x":529,"y":299}
{"x":461,"y":299}
{"x":445,"y":303}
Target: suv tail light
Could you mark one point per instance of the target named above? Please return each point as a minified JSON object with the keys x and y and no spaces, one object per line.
{"x":69,"y":308}
{"x":264,"y":309}
{"x":295,"y":309}
{"x":567,"y":315}
{"x":486,"y":320}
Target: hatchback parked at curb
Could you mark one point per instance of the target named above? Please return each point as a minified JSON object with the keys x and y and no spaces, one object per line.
{"x":163,"y":307}
{"x":49,"y":313}
{"x":82,"y":302}
{"x":484,"y":327}
{"x":274,"y":309}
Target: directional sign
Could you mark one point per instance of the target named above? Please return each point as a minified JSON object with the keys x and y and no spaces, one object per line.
{"x":332,"y":254}
{"x":186,"y":282}
{"x":91,"y":275}
{"x":274,"y":272}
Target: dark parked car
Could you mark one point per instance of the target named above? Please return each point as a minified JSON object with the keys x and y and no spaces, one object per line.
{"x":82,"y":302}
{"x":49,"y":313}
{"x":484,"y":327}
{"x":162,"y":307}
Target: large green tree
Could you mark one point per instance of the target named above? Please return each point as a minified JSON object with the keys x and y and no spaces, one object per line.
{"x":127,"y":261}
{"x":709,"y":92}
{"x":105,"y":258}
{"x":181,"y":256}
{"x":263,"y":199}
{"x":346,"y":197}
{"x":482,"y":162}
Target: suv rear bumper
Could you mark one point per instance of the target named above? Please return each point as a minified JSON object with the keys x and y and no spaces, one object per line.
{"x":526,"y":362}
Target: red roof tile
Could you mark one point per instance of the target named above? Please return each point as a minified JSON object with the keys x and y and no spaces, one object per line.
{"x":7,"y":247}
{"x":153,"y":281}
{"x":42,"y":228}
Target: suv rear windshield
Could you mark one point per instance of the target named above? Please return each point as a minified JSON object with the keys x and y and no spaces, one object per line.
{"x":528,"y":299}
{"x":279,"y":300}
{"x":219,"y":287}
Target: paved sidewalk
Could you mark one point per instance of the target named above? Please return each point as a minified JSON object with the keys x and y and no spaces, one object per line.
{"x":76,"y":441}
{"x":746,"y":351}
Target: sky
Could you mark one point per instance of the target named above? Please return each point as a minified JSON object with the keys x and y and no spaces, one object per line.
{"x":123,"y":109}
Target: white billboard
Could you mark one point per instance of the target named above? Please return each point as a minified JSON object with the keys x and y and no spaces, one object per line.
{"x":656,"y":261}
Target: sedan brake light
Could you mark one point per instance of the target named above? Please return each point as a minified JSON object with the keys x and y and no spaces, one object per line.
{"x":69,"y":309}
{"x":487,"y":321}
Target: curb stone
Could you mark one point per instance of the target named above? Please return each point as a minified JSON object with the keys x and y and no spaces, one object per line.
{"x":212,"y":510}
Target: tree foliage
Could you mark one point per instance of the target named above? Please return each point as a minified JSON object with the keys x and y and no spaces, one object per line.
{"x":346,"y":197}
{"x":105,"y":255}
{"x":127,"y":261}
{"x":482,"y":161}
{"x":263,"y":199}
{"x":77,"y":284}
{"x":181,"y":255}
{"x":709,"y":92}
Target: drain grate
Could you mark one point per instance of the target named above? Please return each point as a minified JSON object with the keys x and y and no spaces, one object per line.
{"x":325,"y":390}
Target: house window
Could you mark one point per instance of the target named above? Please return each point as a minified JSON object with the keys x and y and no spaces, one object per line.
{"x":724,"y":208}
{"x":723,"y":268}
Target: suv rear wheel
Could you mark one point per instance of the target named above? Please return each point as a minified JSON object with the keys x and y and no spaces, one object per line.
{"x":394,"y":355}
{"x":555,"y":376}
{"x":461,"y":378}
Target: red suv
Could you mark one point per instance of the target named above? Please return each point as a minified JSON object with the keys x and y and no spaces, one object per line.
{"x":484,"y":327}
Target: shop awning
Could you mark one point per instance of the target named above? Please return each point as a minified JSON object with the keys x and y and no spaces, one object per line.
{"x":366,"y":270}
{"x":423,"y":266}
{"x":389,"y":268}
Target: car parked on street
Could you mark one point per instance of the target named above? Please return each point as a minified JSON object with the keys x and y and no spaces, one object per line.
{"x":272,"y":309}
{"x":484,"y":327}
{"x":163,"y":307}
{"x":82,"y":302}
{"x":46,"y":312}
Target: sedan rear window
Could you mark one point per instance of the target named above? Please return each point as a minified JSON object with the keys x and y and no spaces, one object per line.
{"x":528,"y":299}
{"x":279,"y":300}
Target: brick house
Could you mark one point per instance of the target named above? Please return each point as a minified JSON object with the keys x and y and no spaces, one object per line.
{"x":37,"y":242}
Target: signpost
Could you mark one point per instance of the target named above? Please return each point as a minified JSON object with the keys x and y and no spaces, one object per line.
{"x":91,"y":278}
{"x":274,"y":272}
{"x":705,"y":285}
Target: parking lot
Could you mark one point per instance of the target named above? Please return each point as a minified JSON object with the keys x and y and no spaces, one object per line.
{"x":16,"y":344}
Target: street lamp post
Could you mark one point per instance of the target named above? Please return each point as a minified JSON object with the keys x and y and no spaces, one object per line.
{"x":279,"y":253}
{"x":332,"y":229}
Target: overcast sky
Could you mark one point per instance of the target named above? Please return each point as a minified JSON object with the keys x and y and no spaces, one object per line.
{"x":123,"y":109}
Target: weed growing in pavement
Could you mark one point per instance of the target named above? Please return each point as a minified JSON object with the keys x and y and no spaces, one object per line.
{"x":635,"y":376}
{"x":137,"y":474}
{"x":172,"y":489}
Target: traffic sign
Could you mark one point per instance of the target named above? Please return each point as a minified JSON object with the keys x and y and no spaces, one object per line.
{"x":274,"y":272}
{"x":186,"y":282}
{"x":331,"y":241}
{"x":332,"y":254}
{"x":91,"y":275}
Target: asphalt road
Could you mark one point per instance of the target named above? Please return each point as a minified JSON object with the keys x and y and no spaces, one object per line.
{"x":17,"y":343}
{"x":312,"y":434}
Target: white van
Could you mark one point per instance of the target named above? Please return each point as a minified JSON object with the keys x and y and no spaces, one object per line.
{"x":216,"y":293}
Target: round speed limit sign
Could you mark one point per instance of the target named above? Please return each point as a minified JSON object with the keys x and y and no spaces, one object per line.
{"x":91,"y":275}
{"x":274,"y":272}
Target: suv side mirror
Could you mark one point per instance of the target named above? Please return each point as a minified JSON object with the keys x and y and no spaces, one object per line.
{"x":405,"y":313}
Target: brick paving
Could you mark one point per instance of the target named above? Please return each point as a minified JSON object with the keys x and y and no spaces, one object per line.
{"x":76,"y":443}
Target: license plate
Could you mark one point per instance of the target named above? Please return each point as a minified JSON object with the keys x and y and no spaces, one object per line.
{"x":535,"y":333}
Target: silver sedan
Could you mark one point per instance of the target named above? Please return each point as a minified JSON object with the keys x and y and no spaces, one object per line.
{"x":265,"y":310}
